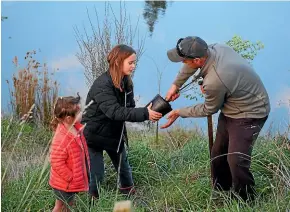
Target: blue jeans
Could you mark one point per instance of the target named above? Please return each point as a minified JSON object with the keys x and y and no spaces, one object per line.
{"x":97,"y":169}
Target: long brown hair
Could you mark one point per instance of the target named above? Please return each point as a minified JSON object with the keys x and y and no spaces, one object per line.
{"x":64,"y":106}
{"x":116,"y":60}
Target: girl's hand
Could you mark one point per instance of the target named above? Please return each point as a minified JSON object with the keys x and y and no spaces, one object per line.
{"x":153,"y":115}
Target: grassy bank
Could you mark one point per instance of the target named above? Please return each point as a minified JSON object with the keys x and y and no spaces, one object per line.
{"x":170,"y":175}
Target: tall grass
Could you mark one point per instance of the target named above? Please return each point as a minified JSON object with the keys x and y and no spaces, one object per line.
{"x":33,"y":85}
{"x":172,"y":175}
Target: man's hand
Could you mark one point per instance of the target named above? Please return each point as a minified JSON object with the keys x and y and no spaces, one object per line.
{"x":153,"y":115}
{"x":172,"y":116}
{"x":172,"y":93}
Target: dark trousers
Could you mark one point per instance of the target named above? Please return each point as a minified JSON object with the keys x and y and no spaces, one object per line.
{"x":97,"y":170}
{"x":231,"y":154}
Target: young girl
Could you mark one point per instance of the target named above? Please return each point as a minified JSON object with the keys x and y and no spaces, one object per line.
{"x":110,"y":102}
{"x":69,"y":156}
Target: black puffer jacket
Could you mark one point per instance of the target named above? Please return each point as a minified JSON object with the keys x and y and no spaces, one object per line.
{"x":105,"y":117}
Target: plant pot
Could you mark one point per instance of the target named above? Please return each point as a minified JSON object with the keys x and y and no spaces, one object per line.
{"x":160,"y":105}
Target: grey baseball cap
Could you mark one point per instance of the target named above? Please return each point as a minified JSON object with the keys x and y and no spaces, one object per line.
{"x":188,"y":48}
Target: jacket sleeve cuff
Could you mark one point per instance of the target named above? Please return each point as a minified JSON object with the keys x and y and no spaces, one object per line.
{"x":178,"y":82}
{"x":146,"y":113}
{"x":184,"y":112}
{"x":184,"y":74}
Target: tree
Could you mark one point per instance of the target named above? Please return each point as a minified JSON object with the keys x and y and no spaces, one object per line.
{"x":245,"y":48}
{"x":93,"y":49}
{"x":151,"y":12}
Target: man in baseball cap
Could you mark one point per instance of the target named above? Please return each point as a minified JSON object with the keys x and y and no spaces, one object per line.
{"x":188,"y":48}
{"x":232,"y":87}
{"x":193,"y":52}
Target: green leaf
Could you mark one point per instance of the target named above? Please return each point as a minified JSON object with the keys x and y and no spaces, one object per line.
{"x":245,"y":48}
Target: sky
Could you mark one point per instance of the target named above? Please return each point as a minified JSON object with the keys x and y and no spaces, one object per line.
{"x":47,"y":27}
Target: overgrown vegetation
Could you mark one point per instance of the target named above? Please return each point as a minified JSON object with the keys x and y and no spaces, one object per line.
{"x":171,"y":175}
{"x":33,"y":85}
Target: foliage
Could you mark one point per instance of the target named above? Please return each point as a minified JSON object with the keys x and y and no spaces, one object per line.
{"x":151,"y":12}
{"x":169,"y":176}
{"x":247,"y":49}
{"x":33,"y":86}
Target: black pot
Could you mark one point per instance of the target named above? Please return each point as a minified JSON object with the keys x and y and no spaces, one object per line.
{"x":160,"y":105}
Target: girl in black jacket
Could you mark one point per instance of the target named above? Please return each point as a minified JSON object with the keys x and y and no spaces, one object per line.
{"x":110,"y":102}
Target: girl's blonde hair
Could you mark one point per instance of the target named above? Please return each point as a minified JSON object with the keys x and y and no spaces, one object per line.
{"x":116,"y":60}
{"x":64,"y":106}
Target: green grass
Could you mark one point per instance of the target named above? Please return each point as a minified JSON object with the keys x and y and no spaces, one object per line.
{"x":170,"y":175}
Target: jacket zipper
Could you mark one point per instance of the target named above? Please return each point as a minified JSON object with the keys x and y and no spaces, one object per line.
{"x":123,"y":125}
{"x":84,"y":162}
